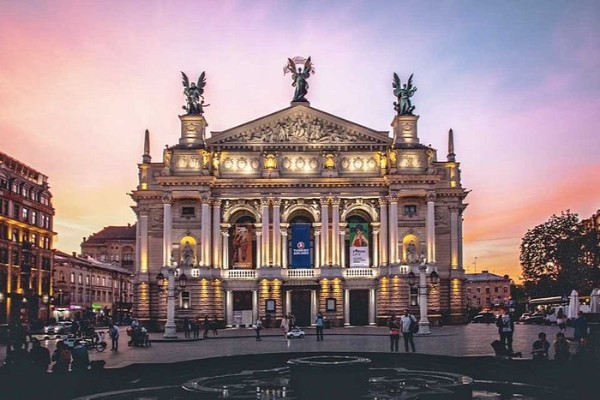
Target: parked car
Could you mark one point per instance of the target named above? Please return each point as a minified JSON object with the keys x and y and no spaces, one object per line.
{"x":524,"y":316}
{"x":536,"y":319}
{"x":60,"y":328}
{"x":295,"y":333}
{"x":484,"y":318}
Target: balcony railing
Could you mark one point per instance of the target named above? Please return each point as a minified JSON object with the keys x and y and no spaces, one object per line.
{"x":239,"y":273}
{"x":359,"y":273}
{"x":301,"y":273}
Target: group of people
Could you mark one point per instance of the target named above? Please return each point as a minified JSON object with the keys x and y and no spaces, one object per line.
{"x":405,"y":325}
{"x":541,"y":347}
{"x":191,"y":328}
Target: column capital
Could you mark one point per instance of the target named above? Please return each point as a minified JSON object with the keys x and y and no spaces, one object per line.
{"x":431,"y":196}
{"x":264,"y":202}
{"x":383,"y":201}
{"x":335,"y":201}
{"x":144,"y":212}
{"x":205,"y":200}
{"x":454,"y":209}
{"x":216,"y":202}
{"x":284,"y":225}
{"x":276,"y":201}
{"x":225,"y":225}
{"x":258,"y":225}
{"x":375,"y":224}
{"x":167,"y":199}
{"x":324,"y":200}
{"x":392,"y":198}
{"x":343,"y":224}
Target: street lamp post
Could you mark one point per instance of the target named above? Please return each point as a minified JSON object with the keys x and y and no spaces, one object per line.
{"x":172,"y":292}
{"x":423,"y":320}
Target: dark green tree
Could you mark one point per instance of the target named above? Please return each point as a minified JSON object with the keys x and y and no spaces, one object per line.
{"x":560,"y":255}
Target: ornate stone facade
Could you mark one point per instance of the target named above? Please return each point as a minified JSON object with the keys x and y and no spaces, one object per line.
{"x":237,"y":200}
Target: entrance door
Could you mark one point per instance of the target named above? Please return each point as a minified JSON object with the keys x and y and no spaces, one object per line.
{"x":301,"y":307}
{"x":359,"y":307}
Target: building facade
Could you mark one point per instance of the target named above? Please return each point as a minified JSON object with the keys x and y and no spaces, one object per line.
{"x":83,"y":285}
{"x":26,"y":237}
{"x":113,"y":244}
{"x":297,"y":212}
{"x":486,"y":290}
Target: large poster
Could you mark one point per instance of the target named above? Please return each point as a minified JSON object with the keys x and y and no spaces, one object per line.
{"x":301,"y":246}
{"x":242,"y":245}
{"x":359,"y":244}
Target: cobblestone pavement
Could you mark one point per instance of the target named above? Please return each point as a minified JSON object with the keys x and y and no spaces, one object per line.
{"x":471,"y":339}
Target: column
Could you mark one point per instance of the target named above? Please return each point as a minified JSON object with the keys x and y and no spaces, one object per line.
{"x":288,"y":302}
{"x":372,"y":309}
{"x":216,"y":233}
{"x":375,"y":228}
{"x":383,"y":237}
{"x":284,"y":245}
{"x":343,"y":244}
{"x":346,"y":307}
{"x":170,"y":328}
{"x":454,"y":237}
{"x":430,"y":227}
{"x":276,"y":232}
{"x":167,"y":228}
{"x":313,"y":307}
{"x":225,"y":235}
{"x":138,"y":243}
{"x":254,"y":306}
{"x":324,"y":231}
{"x":205,"y":246}
{"x":460,"y":240}
{"x":259,"y":245}
{"x":393,"y":243}
{"x":317,"y":255}
{"x":264,"y":212}
{"x":335,"y":235}
{"x":423,"y":320}
{"x":229,"y":308}
{"x":144,"y":212}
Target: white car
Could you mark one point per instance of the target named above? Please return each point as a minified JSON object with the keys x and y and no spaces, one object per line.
{"x":295,"y":333}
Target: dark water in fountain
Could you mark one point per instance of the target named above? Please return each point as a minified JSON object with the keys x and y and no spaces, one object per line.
{"x":338,"y":377}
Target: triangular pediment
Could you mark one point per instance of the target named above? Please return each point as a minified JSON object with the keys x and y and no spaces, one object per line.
{"x":299,"y":125}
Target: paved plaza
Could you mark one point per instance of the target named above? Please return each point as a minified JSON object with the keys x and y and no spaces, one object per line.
{"x":461,"y":340}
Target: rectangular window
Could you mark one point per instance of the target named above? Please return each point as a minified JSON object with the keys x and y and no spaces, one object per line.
{"x":16,"y":211}
{"x":80,"y":279}
{"x":478,"y":290}
{"x":496,"y":289}
{"x":103,"y":281}
{"x":188,"y":211}
{"x":33,"y":217}
{"x":410,"y":210}
{"x":87,"y":279}
{"x":3,"y":183}
{"x":414,"y":296}
{"x":72,"y":277}
{"x":505,"y":289}
{"x":487,"y":290}
{"x":15,"y":258}
{"x":185,"y":300}
{"x":15,"y":235}
{"x":25,"y":214}
{"x":3,"y":255}
{"x":46,"y":263}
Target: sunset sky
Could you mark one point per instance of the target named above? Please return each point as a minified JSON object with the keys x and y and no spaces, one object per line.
{"x":518,"y":81}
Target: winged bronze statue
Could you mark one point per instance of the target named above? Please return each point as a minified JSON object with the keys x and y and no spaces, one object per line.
{"x":194,"y":94}
{"x":299,"y":76}
{"x":403,"y":93}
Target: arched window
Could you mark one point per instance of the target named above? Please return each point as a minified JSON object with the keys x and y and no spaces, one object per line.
{"x":242,"y":243}
{"x":301,"y":245}
{"x":359,"y":242}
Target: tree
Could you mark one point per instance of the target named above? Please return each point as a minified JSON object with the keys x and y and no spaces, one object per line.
{"x":560,"y":255}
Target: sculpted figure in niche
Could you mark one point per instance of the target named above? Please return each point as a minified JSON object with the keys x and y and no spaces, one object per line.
{"x":187,"y":255}
{"x":411,"y":253}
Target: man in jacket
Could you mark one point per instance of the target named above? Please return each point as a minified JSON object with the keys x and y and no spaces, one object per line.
{"x":506,"y":328}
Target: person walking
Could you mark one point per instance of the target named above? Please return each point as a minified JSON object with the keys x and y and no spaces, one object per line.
{"x":407,"y":334}
{"x":258,"y":327}
{"x":206,"y":327}
{"x":394,"y":327}
{"x":319,"y":322}
{"x":215,"y":326}
{"x":113,"y":332}
{"x":285,"y":326}
{"x":506,"y":328}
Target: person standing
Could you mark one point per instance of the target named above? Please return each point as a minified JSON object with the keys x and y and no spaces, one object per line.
{"x":113,"y":332}
{"x":506,"y":328}
{"x":540,"y":347}
{"x":394,"y":326}
{"x":215,"y":326}
{"x":186,"y":327}
{"x":206,"y":327}
{"x":258,"y":327}
{"x":581,"y":327}
{"x":561,"y":320}
{"x":285,"y":326}
{"x":196,"y":328}
{"x":319,"y":322}
{"x":407,"y":334}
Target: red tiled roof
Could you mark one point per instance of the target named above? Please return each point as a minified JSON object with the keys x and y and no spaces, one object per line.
{"x":113,"y":233}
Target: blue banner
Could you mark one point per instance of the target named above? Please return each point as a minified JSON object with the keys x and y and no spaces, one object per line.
{"x":301,"y":246}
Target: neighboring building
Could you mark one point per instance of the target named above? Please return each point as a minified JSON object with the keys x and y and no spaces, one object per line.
{"x":486,"y":290}
{"x":26,"y":237}
{"x":83,"y":285}
{"x":113,"y":244}
{"x":296,"y":212}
